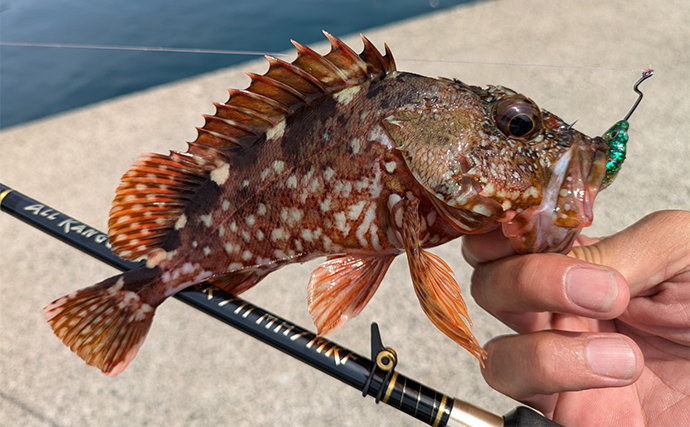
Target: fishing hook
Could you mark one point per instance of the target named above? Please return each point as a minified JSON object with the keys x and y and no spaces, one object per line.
{"x":645,"y":75}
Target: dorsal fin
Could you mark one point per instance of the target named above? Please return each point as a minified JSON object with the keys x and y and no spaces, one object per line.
{"x":150,"y":199}
{"x":284,"y":88}
{"x":155,"y":191}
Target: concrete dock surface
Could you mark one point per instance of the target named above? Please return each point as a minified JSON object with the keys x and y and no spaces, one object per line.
{"x":577,"y":59}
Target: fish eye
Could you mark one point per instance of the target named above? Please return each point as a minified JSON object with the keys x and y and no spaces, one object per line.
{"x":517,"y":118}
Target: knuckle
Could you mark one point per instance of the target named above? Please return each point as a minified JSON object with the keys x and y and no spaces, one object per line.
{"x":478,"y":286}
{"x":543,"y":360}
{"x":592,"y":254}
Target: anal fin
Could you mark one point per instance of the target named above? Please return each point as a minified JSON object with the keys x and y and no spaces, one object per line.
{"x":342,"y":286}
{"x":236,"y":282}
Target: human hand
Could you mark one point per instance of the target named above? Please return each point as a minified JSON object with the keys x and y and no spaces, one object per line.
{"x":603,"y":333}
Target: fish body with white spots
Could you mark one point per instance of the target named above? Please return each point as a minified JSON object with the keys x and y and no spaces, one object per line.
{"x":341,"y":156}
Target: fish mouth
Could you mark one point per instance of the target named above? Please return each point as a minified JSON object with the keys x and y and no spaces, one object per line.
{"x":576,"y":181}
{"x":567,"y":200}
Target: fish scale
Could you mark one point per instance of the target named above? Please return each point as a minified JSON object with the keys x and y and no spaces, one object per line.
{"x":337,"y":155}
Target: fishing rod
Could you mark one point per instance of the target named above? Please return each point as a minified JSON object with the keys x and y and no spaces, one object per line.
{"x":373,"y":377}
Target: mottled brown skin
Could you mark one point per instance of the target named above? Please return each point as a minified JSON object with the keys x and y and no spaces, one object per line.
{"x":351,"y":160}
{"x":316,"y":142}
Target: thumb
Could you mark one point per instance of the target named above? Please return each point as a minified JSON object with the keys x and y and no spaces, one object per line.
{"x":647,"y":253}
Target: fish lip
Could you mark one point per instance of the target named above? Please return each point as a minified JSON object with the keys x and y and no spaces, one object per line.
{"x":580,"y":183}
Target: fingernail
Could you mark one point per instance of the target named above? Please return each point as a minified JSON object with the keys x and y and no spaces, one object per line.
{"x":611,"y":357}
{"x":591,"y":288}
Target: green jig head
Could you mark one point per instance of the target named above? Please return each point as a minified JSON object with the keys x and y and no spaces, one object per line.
{"x":617,"y":137}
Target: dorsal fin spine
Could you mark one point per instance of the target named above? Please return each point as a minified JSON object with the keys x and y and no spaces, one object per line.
{"x":390,"y":61}
{"x":276,"y":63}
{"x":258,"y":100}
{"x":373,"y":57}
{"x":336,"y":43}
{"x":245,"y":129}
{"x":344,"y":57}
{"x":228,"y":111}
{"x":280,"y":85}
{"x":219,"y":135}
{"x":203,"y":132}
{"x":326,"y":74}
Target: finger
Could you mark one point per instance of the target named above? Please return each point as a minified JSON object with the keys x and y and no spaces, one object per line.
{"x":664,"y":314}
{"x":583,"y":240}
{"x":523,"y":290}
{"x":479,"y":248}
{"x":548,"y":362}
{"x":648,"y":252}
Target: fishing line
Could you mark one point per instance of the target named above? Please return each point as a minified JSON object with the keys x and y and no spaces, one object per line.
{"x":517,"y":64}
{"x":283,"y":55}
{"x":143,"y":48}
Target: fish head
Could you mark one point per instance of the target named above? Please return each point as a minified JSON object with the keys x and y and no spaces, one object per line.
{"x":490,"y":156}
{"x":567,"y":185}
{"x":546,"y":206}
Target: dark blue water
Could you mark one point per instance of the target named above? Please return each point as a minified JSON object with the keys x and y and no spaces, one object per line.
{"x":36,"y":82}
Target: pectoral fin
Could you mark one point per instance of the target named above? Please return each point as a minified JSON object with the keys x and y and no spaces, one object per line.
{"x":435,"y":286}
{"x":341,"y":287}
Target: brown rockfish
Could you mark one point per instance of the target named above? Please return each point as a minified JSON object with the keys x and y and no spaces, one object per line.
{"x":343,"y":156}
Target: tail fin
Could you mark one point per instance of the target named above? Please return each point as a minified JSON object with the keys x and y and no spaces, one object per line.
{"x":104,"y":323}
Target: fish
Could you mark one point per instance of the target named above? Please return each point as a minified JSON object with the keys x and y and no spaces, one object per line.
{"x":339,"y":156}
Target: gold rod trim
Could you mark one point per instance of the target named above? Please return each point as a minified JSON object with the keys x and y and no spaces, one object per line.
{"x":3,"y":194}
{"x":441,"y":410}
{"x":391,"y":385}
